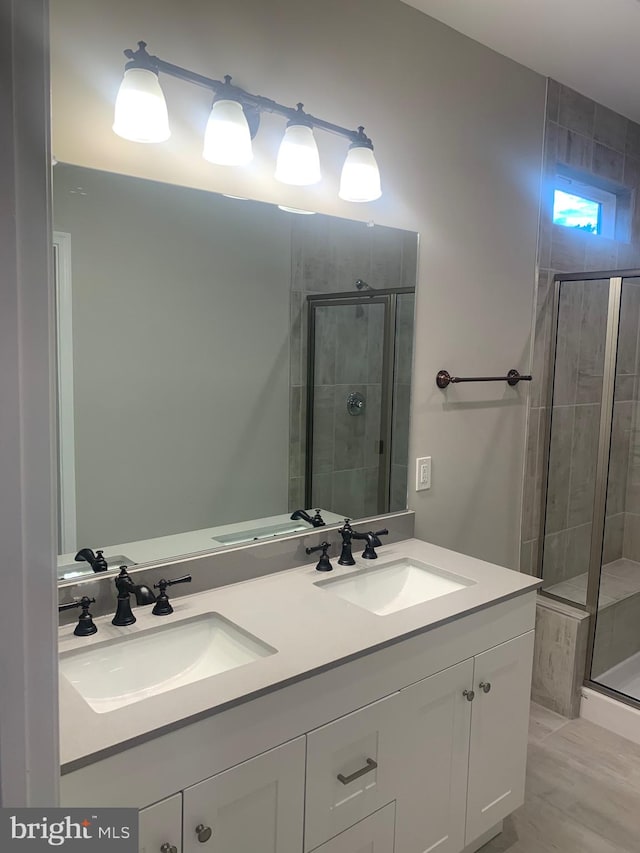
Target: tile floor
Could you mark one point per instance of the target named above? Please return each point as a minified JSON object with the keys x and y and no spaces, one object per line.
{"x":620,"y":579}
{"x":583,"y":791}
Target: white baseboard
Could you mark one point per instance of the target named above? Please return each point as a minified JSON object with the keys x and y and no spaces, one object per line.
{"x":610,"y":714}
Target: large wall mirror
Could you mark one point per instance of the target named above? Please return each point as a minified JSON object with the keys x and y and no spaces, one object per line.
{"x":222,"y":363}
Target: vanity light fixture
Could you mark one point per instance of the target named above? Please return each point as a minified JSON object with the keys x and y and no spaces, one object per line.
{"x":141,"y":116}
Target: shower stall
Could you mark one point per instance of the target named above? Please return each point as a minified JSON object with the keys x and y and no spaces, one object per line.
{"x":590,"y":491}
{"x":358,"y":392}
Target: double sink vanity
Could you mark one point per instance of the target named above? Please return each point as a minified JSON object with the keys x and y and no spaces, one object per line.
{"x":381,"y":707}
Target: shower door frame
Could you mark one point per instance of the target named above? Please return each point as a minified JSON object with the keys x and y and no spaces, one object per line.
{"x":388,"y":298}
{"x":616,"y":279}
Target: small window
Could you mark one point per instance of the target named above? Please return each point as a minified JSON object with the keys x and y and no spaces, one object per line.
{"x":584,"y":207}
{"x":575,"y":211}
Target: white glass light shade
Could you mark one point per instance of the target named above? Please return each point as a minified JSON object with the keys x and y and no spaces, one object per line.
{"x":227,"y":138}
{"x":298,"y":160}
{"x":141,"y":110}
{"x":360,"y":179}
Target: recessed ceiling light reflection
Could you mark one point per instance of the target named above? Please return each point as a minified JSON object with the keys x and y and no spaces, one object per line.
{"x":296,"y":210}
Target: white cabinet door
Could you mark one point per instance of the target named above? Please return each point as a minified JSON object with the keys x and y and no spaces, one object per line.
{"x":352,"y":769}
{"x":374,"y":834}
{"x":161,"y":827}
{"x":256,"y":807}
{"x":435,"y":721}
{"x":499,"y":724}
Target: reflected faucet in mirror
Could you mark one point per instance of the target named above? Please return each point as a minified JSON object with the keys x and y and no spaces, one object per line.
{"x":315,"y":521}
{"x":96,"y":561}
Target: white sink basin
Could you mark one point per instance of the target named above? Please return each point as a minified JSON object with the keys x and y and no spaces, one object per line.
{"x":120,"y":672}
{"x":395,"y":586}
{"x":258,"y":533}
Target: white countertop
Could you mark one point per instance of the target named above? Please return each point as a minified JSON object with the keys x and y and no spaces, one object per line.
{"x":309,"y":627}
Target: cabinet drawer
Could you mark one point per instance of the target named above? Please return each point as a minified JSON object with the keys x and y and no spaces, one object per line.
{"x":352,"y":769}
{"x":374,"y":834}
{"x":255,"y":807}
{"x":161,"y":824}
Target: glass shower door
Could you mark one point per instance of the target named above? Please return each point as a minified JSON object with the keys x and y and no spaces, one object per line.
{"x":615,"y":662}
{"x":590,"y":526}
{"x":347,"y":431}
{"x":575,"y":409}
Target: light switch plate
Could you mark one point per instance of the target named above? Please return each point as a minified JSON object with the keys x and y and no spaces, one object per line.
{"x":423,"y":473}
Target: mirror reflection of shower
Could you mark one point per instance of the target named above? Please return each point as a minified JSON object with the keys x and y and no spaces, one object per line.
{"x":358,"y":393}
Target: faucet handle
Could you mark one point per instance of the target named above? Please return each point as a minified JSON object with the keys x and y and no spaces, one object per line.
{"x":373,"y":542}
{"x":318,"y":520}
{"x":376,"y":540}
{"x":162,"y":607}
{"x":323,"y":563}
{"x":183,"y":579}
{"x":85,"y":626}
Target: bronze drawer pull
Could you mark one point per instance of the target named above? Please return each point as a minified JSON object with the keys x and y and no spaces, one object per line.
{"x":371,"y":765}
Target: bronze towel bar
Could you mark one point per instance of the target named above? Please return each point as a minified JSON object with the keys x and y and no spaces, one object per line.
{"x":444,"y":378}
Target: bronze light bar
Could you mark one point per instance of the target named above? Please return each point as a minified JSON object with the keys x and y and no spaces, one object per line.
{"x":253,"y":105}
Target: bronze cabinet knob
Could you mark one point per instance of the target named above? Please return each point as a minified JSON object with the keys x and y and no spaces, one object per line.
{"x":203,"y":832}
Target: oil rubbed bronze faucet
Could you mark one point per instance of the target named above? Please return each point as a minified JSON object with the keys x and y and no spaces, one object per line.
{"x":347,"y":532}
{"x":125,"y":587}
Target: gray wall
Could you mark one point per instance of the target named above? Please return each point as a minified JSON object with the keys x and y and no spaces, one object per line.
{"x":458,"y":134}
{"x":181,"y":355}
{"x":585,"y":136}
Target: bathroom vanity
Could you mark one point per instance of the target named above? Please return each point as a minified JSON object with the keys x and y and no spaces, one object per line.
{"x":382,"y":707}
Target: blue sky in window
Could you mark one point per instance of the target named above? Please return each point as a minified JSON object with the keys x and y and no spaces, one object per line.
{"x":575,"y":211}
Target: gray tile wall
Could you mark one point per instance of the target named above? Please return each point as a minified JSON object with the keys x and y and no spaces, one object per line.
{"x":329,"y":255}
{"x":583,"y":135}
